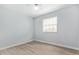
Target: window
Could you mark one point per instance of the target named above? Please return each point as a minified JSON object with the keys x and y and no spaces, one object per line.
{"x":50,"y":24}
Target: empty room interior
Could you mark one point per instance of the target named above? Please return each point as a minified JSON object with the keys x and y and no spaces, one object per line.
{"x":39,"y":29}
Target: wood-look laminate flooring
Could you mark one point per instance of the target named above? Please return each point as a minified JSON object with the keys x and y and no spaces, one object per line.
{"x":38,"y":48}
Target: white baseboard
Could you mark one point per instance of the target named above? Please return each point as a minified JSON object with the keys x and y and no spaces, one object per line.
{"x":20,"y":43}
{"x":58,"y":44}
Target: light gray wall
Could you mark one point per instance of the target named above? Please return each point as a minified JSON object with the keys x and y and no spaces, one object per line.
{"x":78,"y":28}
{"x":67,"y":27}
{"x":14,"y":27}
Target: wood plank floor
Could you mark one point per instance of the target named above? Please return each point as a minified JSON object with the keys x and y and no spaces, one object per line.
{"x":38,"y":48}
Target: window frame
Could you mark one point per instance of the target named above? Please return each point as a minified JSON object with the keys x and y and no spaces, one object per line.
{"x":48,"y":31}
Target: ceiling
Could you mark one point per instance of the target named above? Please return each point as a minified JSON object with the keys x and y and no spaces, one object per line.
{"x":29,"y":10}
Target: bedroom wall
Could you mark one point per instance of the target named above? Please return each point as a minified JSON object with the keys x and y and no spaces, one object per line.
{"x":14,"y":27}
{"x":67,"y":28}
{"x":78,"y":29}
